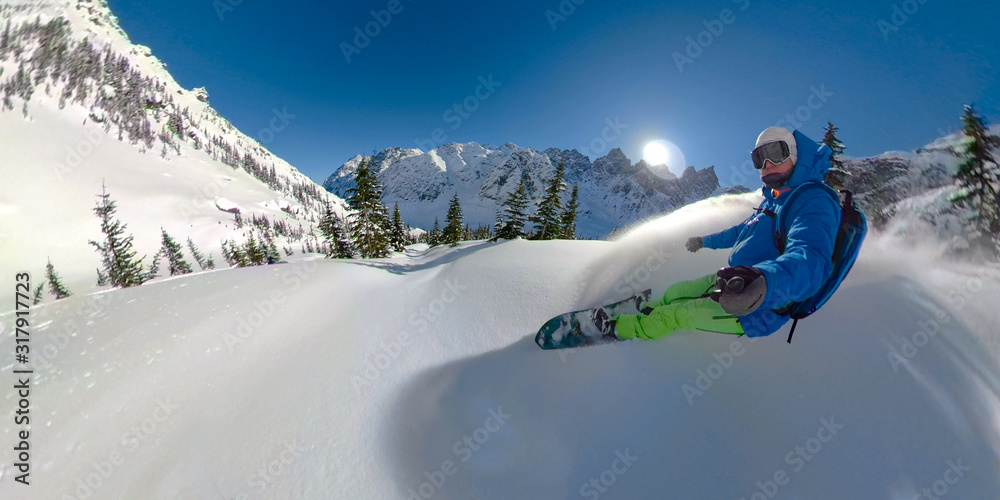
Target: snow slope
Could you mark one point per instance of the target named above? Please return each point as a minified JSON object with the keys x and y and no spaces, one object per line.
{"x":417,"y":377}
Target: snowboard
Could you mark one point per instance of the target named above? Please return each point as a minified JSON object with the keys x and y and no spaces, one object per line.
{"x":577,"y":329}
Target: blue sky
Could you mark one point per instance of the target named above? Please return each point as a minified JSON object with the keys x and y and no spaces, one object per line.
{"x":893,"y":75}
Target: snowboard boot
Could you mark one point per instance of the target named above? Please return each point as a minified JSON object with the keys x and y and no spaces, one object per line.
{"x":604,"y":323}
{"x":643,"y":298}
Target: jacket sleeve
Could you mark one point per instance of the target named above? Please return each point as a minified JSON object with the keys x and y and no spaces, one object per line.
{"x":806,"y":263}
{"x":723,"y":239}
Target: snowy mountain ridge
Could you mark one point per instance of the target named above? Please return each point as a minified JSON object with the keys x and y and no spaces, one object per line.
{"x":613,"y":192}
{"x":908,"y":194}
{"x":84,"y":107}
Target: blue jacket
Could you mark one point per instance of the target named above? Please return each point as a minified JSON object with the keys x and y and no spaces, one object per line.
{"x":812,"y":223}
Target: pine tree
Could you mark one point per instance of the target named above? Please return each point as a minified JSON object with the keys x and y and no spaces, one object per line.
{"x":410,"y":238}
{"x":271,"y":253}
{"x":510,"y":225}
{"x":56,"y":287}
{"x":398,"y":236}
{"x":154,"y":266}
{"x":102,"y":278}
{"x":434,"y":237}
{"x":255,"y":251}
{"x":235,"y":255}
{"x":327,"y":228}
{"x":568,"y":218}
{"x":203,"y":263}
{"x":498,"y":225}
{"x":838,"y":173}
{"x":452,"y":233}
{"x":121,"y":268}
{"x":227,"y":254}
{"x":368,"y":223}
{"x":172,"y":251}
{"x":342,"y":247}
{"x":5,"y":38}
{"x":337,"y":244}
{"x":37,"y":298}
{"x":546,"y":218}
{"x":978,"y":177}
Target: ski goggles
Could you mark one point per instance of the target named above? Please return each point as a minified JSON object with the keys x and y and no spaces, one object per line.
{"x":776,"y":152}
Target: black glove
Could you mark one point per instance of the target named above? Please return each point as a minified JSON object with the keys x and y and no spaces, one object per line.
{"x":740,"y":290}
{"x":695,"y":243}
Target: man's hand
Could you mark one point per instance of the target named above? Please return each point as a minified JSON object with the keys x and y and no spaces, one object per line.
{"x":740,"y":290}
{"x":695,"y":243}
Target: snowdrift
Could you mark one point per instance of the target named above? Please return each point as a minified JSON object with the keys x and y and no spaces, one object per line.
{"x":417,"y":377}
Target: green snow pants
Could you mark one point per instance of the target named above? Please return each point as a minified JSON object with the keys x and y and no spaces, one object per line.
{"x":684,"y":306}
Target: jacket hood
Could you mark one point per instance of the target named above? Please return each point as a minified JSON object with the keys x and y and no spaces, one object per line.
{"x":812,"y":165}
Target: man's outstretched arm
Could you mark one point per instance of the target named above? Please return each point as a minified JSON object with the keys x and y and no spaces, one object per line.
{"x":724,"y":239}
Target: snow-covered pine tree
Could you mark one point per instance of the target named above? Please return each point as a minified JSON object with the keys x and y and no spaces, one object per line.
{"x":368,"y":223}
{"x":410,"y":238}
{"x":271,"y":253}
{"x":837,"y":175}
{"x":331,"y":227}
{"x":256,"y":250}
{"x":546,"y":218}
{"x":398,"y":236}
{"x":172,"y":251}
{"x":56,"y":287}
{"x":498,"y":225}
{"x":568,"y":217}
{"x":510,"y":224}
{"x":978,"y":178}
{"x":452,"y":233}
{"x":121,"y":267}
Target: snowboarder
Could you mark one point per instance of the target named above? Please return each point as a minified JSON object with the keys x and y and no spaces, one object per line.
{"x":748,"y":297}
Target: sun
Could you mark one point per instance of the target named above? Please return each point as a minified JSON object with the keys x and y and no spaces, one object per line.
{"x":656,"y":153}
{"x":665,"y":159}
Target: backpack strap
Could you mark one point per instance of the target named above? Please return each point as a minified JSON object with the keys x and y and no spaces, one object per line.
{"x":795,"y":323}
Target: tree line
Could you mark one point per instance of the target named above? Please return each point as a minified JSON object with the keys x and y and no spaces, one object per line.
{"x":370,"y":233}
